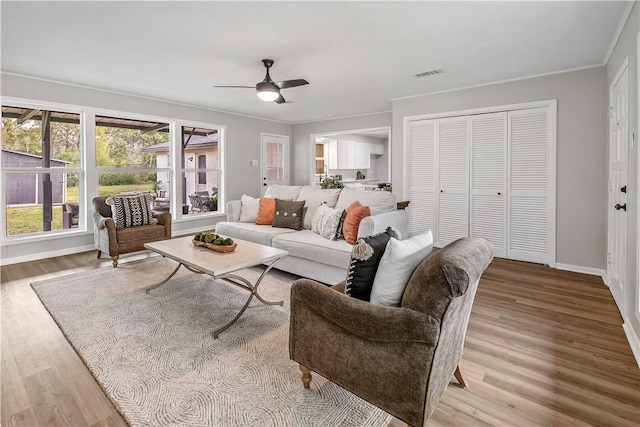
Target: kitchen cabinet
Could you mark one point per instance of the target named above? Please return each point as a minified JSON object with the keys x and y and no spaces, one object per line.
{"x":348,"y":155}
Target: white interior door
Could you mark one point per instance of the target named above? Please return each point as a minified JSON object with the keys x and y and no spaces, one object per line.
{"x":531,"y":235}
{"x":489,"y":179}
{"x":275,"y":160}
{"x":421,"y":159}
{"x":618,"y":181}
{"x":453,"y":180}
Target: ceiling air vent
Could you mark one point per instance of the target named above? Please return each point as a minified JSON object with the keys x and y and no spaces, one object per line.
{"x":428,"y":73}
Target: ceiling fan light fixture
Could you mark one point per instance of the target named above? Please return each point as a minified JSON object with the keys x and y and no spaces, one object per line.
{"x":267,"y":91}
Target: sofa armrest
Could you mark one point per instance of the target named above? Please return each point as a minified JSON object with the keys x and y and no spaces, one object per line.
{"x":233,"y":210}
{"x":101,"y":221}
{"x":378,"y":223}
{"x":366,"y":320}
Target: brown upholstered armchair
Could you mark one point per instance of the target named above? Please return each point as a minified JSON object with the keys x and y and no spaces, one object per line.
{"x":130,"y":239}
{"x":400,"y":359}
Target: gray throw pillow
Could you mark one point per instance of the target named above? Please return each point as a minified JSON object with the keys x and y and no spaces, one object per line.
{"x":288,"y":214}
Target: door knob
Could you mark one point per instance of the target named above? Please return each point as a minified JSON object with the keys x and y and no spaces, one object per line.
{"x":264,"y":184}
{"x":623,"y":189}
{"x":618,"y":206}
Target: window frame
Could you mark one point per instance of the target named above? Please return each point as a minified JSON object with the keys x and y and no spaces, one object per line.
{"x":88,"y":172}
{"x":52,"y":234}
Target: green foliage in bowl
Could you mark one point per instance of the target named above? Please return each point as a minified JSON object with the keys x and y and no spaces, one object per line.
{"x":216,"y":239}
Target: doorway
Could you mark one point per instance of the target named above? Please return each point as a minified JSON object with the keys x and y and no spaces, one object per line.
{"x":275,"y":160}
{"x":618,"y":184}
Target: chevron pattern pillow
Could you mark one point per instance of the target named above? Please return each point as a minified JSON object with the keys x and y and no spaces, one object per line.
{"x":131,"y":211}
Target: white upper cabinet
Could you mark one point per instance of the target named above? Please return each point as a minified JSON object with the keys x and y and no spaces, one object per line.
{"x":348,"y":155}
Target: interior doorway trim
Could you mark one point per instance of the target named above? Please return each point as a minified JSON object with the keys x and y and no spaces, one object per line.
{"x":314,"y":136}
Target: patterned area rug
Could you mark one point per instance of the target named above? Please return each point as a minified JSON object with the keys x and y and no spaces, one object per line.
{"x":155,"y":356}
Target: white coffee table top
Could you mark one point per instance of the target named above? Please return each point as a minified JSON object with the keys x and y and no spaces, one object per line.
{"x":247,"y":254}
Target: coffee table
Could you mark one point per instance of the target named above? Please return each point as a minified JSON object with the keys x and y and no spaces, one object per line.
{"x":201,"y":260}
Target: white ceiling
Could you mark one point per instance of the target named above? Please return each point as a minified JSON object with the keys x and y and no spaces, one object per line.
{"x":358,"y":56}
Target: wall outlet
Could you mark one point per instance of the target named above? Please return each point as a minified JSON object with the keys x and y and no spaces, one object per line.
{"x":253,"y":162}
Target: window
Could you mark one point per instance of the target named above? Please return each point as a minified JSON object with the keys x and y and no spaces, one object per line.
{"x":41,"y":170}
{"x":201,"y":169}
{"x":132,"y":156}
{"x":202,"y":164}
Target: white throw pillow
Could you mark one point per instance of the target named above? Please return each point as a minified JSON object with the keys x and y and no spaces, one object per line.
{"x":325,"y":221}
{"x":398,"y":263}
{"x":249,"y":208}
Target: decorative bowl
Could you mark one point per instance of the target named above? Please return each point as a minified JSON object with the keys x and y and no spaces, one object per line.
{"x":216,"y":248}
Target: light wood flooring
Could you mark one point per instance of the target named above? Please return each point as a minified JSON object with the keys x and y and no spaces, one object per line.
{"x":544,"y":348}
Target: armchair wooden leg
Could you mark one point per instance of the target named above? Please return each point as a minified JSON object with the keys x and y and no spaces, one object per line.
{"x":99,"y":253}
{"x":306,"y":376}
{"x":114,"y":261}
{"x":458,"y":376}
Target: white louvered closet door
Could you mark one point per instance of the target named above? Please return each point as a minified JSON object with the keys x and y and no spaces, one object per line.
{"x":530,"y":230}
{"x":422,"y":175}
{"x":488,"y":213}
{"x":453,"y":180}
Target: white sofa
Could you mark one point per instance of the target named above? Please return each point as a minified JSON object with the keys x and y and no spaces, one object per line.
{"x":311,"y":255}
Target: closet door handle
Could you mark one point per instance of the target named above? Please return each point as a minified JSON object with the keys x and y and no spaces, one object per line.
{"x":618,"y":206}
{"x":499,"y":193}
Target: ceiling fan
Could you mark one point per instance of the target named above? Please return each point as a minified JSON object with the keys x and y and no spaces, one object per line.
{"x":268,"y":90}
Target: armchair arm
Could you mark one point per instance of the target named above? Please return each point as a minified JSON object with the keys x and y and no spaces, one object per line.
{"x":378,"y":223}
{"x":233,"y":210}
{"x":164,"y":219}
{"x":101,"y":221}
{"x":369,"y":321}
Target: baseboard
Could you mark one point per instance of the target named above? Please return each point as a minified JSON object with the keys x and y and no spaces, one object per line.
{"x":578,"y":269}
{"x":634,"y":340}
{"x":44,"y":255}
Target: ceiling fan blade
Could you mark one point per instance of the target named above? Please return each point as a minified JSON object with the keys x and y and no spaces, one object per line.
{"x":291,"y":83}
{"x":248,"y":87}
{"x":280,"y":100}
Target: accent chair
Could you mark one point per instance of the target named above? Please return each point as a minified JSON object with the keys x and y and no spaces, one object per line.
{"x":400,"y":359}
{"x":129,"y":239}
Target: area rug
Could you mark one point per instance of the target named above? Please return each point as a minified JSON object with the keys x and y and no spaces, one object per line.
{"x":157,"y":360}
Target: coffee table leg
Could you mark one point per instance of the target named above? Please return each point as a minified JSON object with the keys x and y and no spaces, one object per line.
{"x":244,"y":283}
{"x":157,"y":285}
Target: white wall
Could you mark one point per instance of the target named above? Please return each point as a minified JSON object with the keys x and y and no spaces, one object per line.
{"x":627,"y":46}
{"x":581,"y":152}
{"x":242,"y":145}
{"x":301,"y":141}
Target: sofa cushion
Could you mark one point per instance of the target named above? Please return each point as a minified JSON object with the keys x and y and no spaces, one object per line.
{"x":309,"y":245}
{"x":314,"y":197}
{"x":288,"y":214}
{"x":261,"y":234}
{"x":378,"y":201}
{"x":285,"y":192}
{"x":140,"y":233}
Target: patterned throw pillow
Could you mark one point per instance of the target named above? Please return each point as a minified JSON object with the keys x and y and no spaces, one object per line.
{"x":365,"y":259}
{"x":288,"y":214}
{"x":131,"y":211}
{"x":325,"y":221}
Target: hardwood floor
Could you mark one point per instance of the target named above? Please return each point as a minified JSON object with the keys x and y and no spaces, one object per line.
{"x":544,"y":347}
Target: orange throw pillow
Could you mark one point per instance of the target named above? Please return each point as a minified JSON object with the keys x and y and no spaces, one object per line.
{"x":355,"y":213}
{"x":266,"y":211}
